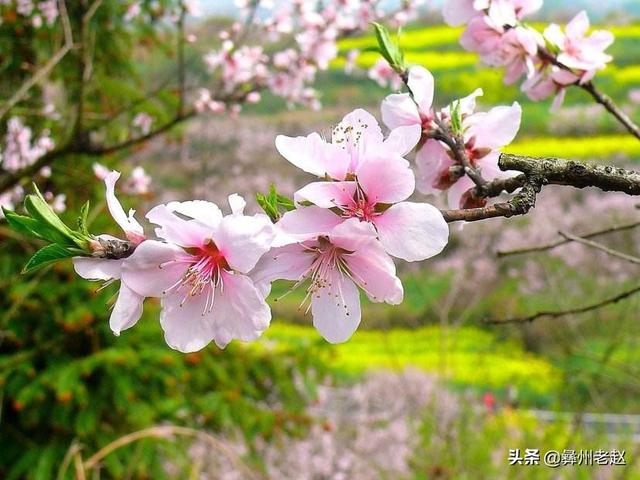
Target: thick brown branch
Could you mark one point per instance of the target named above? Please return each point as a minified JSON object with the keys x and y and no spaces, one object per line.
{"x":564,"y":241}
{"x":537,"y":172}
{"x":520,"y":204}
{"x":570,"y":311}
{"x":558,"y":171}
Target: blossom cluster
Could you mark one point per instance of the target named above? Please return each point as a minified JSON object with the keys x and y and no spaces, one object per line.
{"x":213,"y":272}
{"x":38,"y":13}
{"x":483,"y":135}
{"x":309,"y":29}
{"x":550,"y":61}
{"x":22,"y":150}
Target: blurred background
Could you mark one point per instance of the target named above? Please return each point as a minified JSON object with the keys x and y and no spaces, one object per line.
{"x":423,"y":390}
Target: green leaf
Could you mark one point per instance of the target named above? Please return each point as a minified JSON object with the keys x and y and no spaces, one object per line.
{"x":21,"y":224}
{"x":286,"y":203}
{"x":384,"y":41}
{"x":389,"y":48}
{"x":268,"y":208}
{"x":82,"y":219}
{"x":49,"y":224}
{"x":47,"y":255}
{"x":456,"y":118}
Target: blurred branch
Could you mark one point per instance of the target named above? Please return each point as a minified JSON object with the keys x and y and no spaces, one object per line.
{"x":612,"y":108}
{"x":181,"y":61}
{"x":47,"y":67}
{"x":98,"y":150}
{"x":571,"y":311}
{"x":597,"y":95}
{"x":167,"y":432}
{"x":85,"y":66}
{"x":601,"y":247}
{"x":563,"y":241}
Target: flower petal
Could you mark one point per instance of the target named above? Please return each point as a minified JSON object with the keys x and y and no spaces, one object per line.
{"x":326,"y":194}
{"x":578,"y":26}
{"x":336,"y":309}
{"x":126,"y":311}
{"x":313,"y":155}
{"x":186,"y":233}
{"x":457,"y":12}
{"x":305,"y":223}
{"x":457,"y":190}
{"x":152,"y":268}
{"x":401,"y":140}
{"x":187,"y":325}
{"x":386,"y":179}
{"x":359,"y":135}
{"x":283,"y":263}
{"x":399,"y":110}
{"x":412,"y":231}
{"x":97,"y":268}
{"x":432,"y":162}
{"x":421,"y":84}
{"x":207,"y":213}
{"x":243,"y":239}
{"x":237,"y":204}
{"x":240,"y":311}
{"x":374,"y":271}
{"x":495,"y":128}
{"x":128,"y":223}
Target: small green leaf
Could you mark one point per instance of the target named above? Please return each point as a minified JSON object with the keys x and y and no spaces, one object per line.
{"x":82,"y":219}
{"x":389,"y":48}
{"x":269,"y":209}
{"x":49,"y":224}
{"x":21,"y":224}
{"x":456,"y":118}
{"x":286,"y":203}
{"x":47,"y":255}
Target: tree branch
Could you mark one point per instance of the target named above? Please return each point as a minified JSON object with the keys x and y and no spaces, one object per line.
{"x":47,"y":67}
{"x":564,"y":241}
{"x":570,"y":311}
{"x":601,"y":247}
{"x":612,"y":108}
{"x":538,"y":172}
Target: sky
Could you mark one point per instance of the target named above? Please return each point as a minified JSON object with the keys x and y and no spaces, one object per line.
{"x":596,"y":8}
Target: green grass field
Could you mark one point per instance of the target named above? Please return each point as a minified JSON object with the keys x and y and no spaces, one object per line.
{"x":462,"y":356}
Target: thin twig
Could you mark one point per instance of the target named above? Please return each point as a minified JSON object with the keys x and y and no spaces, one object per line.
{"x":570,"y":311}
{"x":597,"y":95}
{"x":612,"y":108}
{"x":456,"y":145}
{"x":601,"y":247}
{"x":564,"y":241}
{"x":167,"y":431}
{"x":47,"y":67}
{"x":181,"y":62}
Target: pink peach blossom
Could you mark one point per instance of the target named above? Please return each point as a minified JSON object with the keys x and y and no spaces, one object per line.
{"x":579,"y":51}
{"x":404,"y":109}
{"x":485,"y":133}
{"x":201,"y":273}
{"x":335,"y":263}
